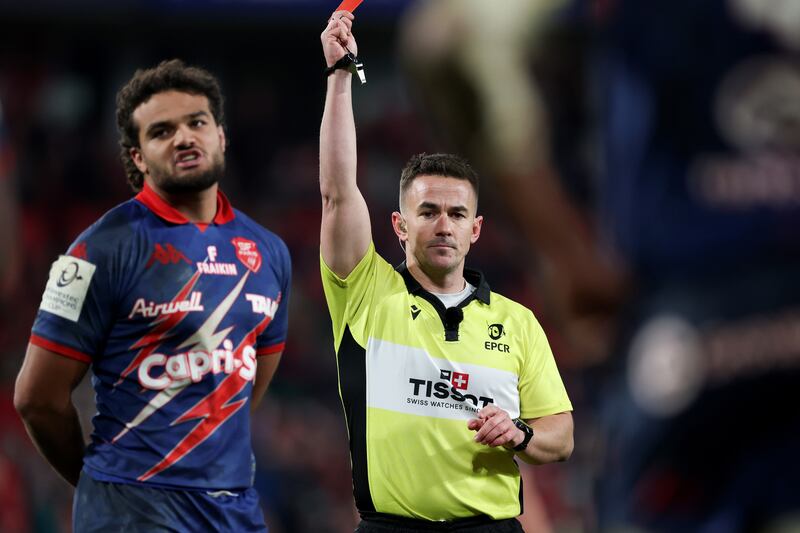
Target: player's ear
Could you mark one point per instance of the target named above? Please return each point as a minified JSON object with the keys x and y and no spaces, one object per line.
{"x":222,"y":140}
{"x":138,"y":160}
{"x":399,"y":226}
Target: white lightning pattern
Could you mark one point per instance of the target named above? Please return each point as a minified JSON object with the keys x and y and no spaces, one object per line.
{"x":204,"y":338}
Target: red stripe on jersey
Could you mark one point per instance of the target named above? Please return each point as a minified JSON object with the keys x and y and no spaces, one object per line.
{"x":60,"y":349}
{"x":269,"y":350}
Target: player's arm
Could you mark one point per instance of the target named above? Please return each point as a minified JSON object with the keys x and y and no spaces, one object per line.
{"x":267,"y":365}
{"x":345,"y":234}
{"x":552,"y":435}
{"x":43,"y":398}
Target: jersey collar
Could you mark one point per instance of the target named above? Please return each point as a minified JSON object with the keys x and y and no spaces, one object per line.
{"x":164,"y":210}
{"x":474,"y":277}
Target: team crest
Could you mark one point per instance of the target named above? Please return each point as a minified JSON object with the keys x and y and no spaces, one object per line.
{"x":248,"y":253}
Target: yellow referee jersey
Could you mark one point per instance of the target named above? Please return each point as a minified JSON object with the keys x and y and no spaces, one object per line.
{"x":411,"y":374}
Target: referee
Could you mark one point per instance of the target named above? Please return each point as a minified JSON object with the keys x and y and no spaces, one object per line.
{"x":443,"y":382}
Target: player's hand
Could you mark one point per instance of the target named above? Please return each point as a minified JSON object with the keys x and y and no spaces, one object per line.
{"x":337,"y":37}
{"x":495,"y":428}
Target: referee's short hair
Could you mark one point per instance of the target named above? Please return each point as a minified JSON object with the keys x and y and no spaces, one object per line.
{"x":448,"y":165}
{"x":172,"y":75}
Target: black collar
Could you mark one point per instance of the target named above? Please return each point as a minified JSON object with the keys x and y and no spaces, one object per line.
{"x":474,"y":277}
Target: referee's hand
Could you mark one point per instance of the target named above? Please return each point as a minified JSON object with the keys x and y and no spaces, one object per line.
{"x":495,"y":428}
{"x":337,"y":37}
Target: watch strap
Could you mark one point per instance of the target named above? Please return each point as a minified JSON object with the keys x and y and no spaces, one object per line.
{"x":527,"y":430}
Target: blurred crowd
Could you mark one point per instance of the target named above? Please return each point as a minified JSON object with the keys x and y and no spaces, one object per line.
{"x":641,"y":185}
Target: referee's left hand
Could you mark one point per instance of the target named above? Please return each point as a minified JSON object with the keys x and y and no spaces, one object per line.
{"x":495,"y":428}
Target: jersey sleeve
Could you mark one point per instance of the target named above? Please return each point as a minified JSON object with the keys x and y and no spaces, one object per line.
{"x":350,"y":299}
{"x":77,"y":305}
{"x":273,"y":339}
{"x":541,"y":389}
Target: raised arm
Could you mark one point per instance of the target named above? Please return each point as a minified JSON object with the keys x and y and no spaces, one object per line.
{"x":345,"y":234}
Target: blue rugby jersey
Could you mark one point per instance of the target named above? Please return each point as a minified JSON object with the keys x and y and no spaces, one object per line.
{"x":172,"y":316}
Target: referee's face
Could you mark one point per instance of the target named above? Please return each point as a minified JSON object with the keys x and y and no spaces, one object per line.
{"x":439,"y":223}
{"x":181,"y":146}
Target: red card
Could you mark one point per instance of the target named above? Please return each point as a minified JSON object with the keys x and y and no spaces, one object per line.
{"x":349,"y":5}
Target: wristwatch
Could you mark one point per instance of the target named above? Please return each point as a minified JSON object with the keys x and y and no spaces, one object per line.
{"x":527,"y":430}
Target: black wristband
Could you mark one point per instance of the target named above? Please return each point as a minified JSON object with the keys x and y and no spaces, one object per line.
{"x":527,"y":430}
{"x":347,"y":62}
{"x":344,"y":63}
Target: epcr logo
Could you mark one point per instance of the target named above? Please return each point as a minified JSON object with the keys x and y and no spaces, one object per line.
{"x":68,"y":275}
{"x":496,"y":331}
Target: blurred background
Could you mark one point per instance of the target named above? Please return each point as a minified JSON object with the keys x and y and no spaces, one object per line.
{"x":641,"y":188}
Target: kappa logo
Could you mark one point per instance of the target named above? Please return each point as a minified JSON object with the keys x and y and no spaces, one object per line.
{"x":247,"y":252}
{"x":496,"y":332}
{"x":415,"y":311}
{"x":166,"y":254}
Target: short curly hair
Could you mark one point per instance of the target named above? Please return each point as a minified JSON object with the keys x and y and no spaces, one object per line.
{"x":172,"y":75}
{"x":448,"y":165}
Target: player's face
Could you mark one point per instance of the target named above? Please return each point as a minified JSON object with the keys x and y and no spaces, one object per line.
{"x":181,"y":148}
{"x":440,"y":222}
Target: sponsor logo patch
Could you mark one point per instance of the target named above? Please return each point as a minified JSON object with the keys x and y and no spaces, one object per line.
{"x":220,"y":269}
{"x":159,"y":371}
{"x":460,"y":380}
{"x":210,"y":265}
{"x":263,"y":305}
{"x":152,"y":309}
{"x":496,"y":332}
{"x":445,"y":393}
{"x":247,"y":252}
{"x":67,"y":287}
{"x":408,"y":380}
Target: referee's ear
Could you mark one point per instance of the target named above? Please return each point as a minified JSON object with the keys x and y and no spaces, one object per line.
{"x":400,"y":228}
{"x":477,"y":224}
